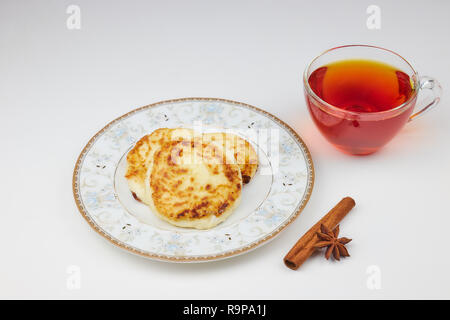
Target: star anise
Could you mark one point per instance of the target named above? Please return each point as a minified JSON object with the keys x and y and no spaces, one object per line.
{"x":336,"y":246}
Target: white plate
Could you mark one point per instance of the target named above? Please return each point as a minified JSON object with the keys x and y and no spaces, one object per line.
{"x":273,"y":198}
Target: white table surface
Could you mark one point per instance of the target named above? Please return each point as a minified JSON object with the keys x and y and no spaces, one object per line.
{"x":58,"y":87}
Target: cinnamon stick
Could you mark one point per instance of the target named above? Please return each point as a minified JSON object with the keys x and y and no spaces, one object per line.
{"x":304,"y":247}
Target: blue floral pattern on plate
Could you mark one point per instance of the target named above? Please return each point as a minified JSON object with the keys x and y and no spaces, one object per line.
{"x":94,"y":193}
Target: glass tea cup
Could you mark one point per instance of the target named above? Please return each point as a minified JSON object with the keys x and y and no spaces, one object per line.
{"x":356,"y":130}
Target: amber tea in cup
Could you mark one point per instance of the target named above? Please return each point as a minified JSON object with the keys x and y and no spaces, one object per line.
{"x":361,"y":96}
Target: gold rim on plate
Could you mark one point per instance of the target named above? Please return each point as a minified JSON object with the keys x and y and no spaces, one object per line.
{"x":86,"y":216}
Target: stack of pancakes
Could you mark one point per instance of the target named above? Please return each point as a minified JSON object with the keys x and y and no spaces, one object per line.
{"x":190,"y":179}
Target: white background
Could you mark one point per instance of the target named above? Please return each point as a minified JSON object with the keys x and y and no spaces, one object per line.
{"x":58,"y":87}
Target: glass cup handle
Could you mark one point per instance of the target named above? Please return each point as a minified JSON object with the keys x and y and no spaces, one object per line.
{"x":428,"y":83}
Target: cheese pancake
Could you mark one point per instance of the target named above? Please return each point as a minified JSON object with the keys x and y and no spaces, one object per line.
{"x":139,"y":158}
{"x":194,"y":184}
{"x":243,"y":152}
{"x":141,"y":155}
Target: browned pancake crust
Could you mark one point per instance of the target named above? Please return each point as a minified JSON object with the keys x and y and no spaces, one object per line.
{"x":182,"y":191}
{"x":138,"y":157}
{"x":243,"y":152}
